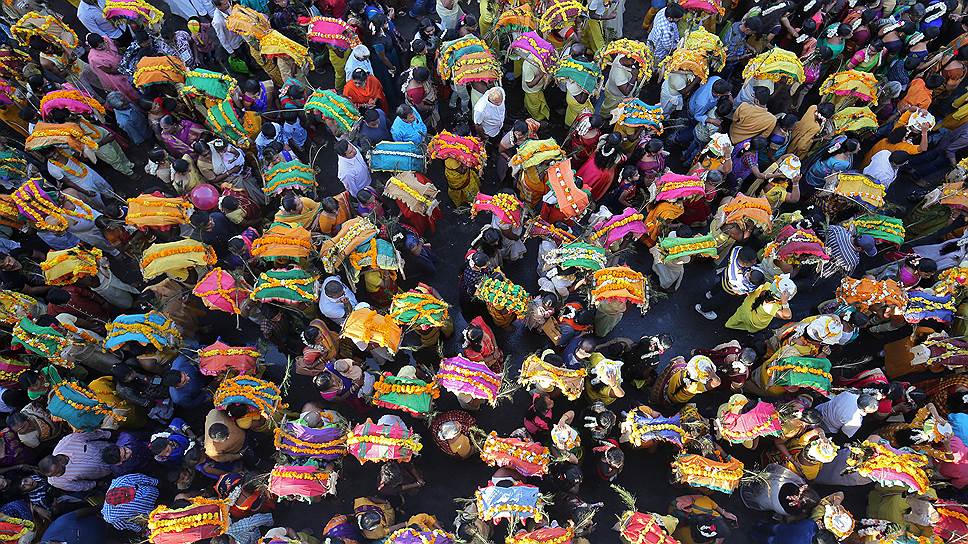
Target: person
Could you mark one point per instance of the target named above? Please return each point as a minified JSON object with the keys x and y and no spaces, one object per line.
{"x":75,"y":465}
{"x":837,"y":157}
{"x":421,"y":94}
{"x":844,"y":413}
{"x":598,"y":172}
{"x":664,"y":34}
{"x":224,"y":440}
{"x":884,"y":165}
{"x":353,"y":172}
{"x":533,"y":80}
{"x":374,"y":127}
{"x":752,"y":119}
{"x":766,"y":302}
{"x":408,"y":126}
{"x":336,"y":301}
{"x":365,"y":90}
{"x":104,"y":60}
{"x":489,"y":113}
{"x":130,"y":118}
{"x":91,"y":14}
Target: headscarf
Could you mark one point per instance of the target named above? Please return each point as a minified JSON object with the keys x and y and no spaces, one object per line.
{"x":489,"y":116}
{"x":352,"y":62}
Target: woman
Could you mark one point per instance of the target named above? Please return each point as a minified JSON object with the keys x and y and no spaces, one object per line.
{"x":489,"y":113}
{"x":835,"y":37}
{"x":747,"y":158}
{"x":420,"y":94}
{"x":652,"y":161}
{"x":386,"y":57}
{"x":762,"y":305}
{"x":104,"y":59}
{"x":838,"y":157}
{"x":682,"y":380}
{"x":179,"y":136}
{"x":365,"y":91}
{"x":598,"y":172}
{"x":359,"y":58}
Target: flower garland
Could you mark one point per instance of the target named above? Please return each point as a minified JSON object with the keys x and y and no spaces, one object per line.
{"x":639,"y":431}
{"x":66,"y":130}
{"x":770,"y":427}
{"x":496,"y":450}
{"x":474,"y":379}
{"x":396,"y":182}
{"x":299,"y":446}
{"x":885,"y":460}
{"x":15,"y":305}
{"x":436,"y":536}
{"x":41,"y":342}
{"x":417,"y":308}
{"x":411,"y":443}
{"x":697,"y":471}
{"x":248,"y":352}
{"x":534,"y":369}
{"x":75,"y":95}
{"x":25,"y":527}
{"x":96,"y":408}
{"x":262,"y":245}
{"x":801,"y":369}
{"x":506,"y":206}
{"x":526,"y":538}
{"x":382,"y":387}
{"x":516,"y":510}
{"x":151,"y":331}
{"x":263,"y":395}
{"x":84,"y":263}
{"x":619,"y":282}
{"x":503,"y":295}
{"x":603,"y":232}
{"x":276,"y":177}
{"x":560,"y":14}
{"x":217,"y":519}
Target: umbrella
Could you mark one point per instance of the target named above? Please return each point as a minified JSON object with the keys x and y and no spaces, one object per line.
{"x":854,"y":119}
{"x":66,"y":266}
{"x":332,"y":32}
{"x":176,"y":258}
{"x":531,"y":46}
{"x":775,"y":65}
{"x":260,"y":394}
{"x":153,"y":328}
{"x":584,"y":74}
{"x":561,"y":14}
{"x":218,"y":291}
{"x":301,"y":482}
{"x":70,"y":99}
{"x":146,"y":211}
{"x":335,"y":107}
{"x":138,"y":12}
{"x":283,"y":240}
{"x":155,"y":70}
{"x":286,"y":286}
{"x":418,"y":307}
{"x":635,"y":50}
{"x":290,"y":175}
{"x":48,"y":28}
{"x":224,"y":121}
{"x":505,"y":206}
{"x":461,"y":376}
{"x":219,"y":357}
{"x":208,"y":85}
{"x":633,"y":112}
{"x":468,"y":150}
{"x":859,"y":85}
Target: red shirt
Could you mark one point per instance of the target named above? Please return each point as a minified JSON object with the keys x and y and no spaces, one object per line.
{"x":84,"y":303}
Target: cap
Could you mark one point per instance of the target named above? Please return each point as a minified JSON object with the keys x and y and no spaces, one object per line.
{"x":867,"y":244}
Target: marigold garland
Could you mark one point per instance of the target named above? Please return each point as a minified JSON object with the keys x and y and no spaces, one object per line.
{"x":218,"y":520}
{"x":97,"y":407}
{"x":83,"y":263}
{"x":307,"y":448}
{"x":152,"y":331}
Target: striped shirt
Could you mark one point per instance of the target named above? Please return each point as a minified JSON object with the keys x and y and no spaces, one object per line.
{"x":122,"y":516}
{"x":843,"y":255}
{"x":246,"y":530}
{"x":734,"y":275}
{"x":84,"y":466}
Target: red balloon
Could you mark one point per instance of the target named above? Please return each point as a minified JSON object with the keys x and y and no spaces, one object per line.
{"x":204,"y":197}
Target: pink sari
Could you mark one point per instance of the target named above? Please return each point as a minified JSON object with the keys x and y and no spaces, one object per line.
{"x":101,"y":60}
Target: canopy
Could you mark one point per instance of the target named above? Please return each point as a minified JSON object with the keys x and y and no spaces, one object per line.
{"x":544,"y":535}
{"x":176,"y":258}
{"x":747,"y":208}
{"x":219,"y":357}
{"x":633,"y":112}
{"x":858,"y":188}
{"x":378,"y":443}
{"x":572,"y":201}
{"x":531,"y":46}
{"x":534,"y":152}
{"x":351,"y":235}
{"x":645,"y":427}
{"x":283,"y":240}
{"x":516,"y":503}
{"x":15,"y":305}
{"x":503,"y":294}
{"x":505,"y":206}
{"x":891,"y":467}
{"x":537,"y":371}
{"x":366,"y":326}
{"x":452,"y":51}
{"x":859,"y":85}
{"x":248,"y":22}
{"x":390,"y":156}
{"x":202,"y":520}
{"x":224,"y":121}
{"x":47,"y":27}
{"x":154,"y":70}
{"x":34,"y":204}
{"x":411,"y":395}
{"x":376,"y":254}
{"x":62,"y":135}
{"x":686,"y":60}
{"x":66,"y":266}
{"x":286,"y":286}
{"x":139,"y":12}
{"x":525,"y":456}
{"x":775,"y":65}
{"x":218,"y":291}
{"x":301,"y":482}
{"x":712,"y":7}
{"x":416,"y":535}
{"x":146,"y":211}
{"x":290,"y":175}
{"x":696,"y":471}
{"x":296,"y":440}
{"x":810,"y":373}
{"x":675,"y":248}
{"x":461,"y":376}
{"x":409,"y":190}
{"x":418,"y":307}
{"x":620,"y":283}
{"x":796,"y":246}
{"x":579,"y":255}
{"x":516,"y":19}
{"x":618,"y":226}
{"x":260,"y":394}
{"x":476,"y":67}
{"x":153,"y":328}
{"x":335,"y":107}
{"x":880,"y":227}
{"x":46,"y":342}
{"x":854,"y":119}
{"x":468,"y":150}
{"x":925,"y":305}
{"x":633,"y":49}
{"x":208,"y":85}
{"x":70,"y":99}
{"x":561,"y":14}
{"x":672,"y":186}
{"x":13,"y":166}
{"x":584,"y":74}
{"x":11,"y":370}
{"x":866,"y":292}
{"x":332,"y":32}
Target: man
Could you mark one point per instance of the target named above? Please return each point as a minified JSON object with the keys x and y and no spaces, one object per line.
{"x":353,"y":171}
{"x":131,"y":119}
{"x":408,"y":126}
{"x":845,"y":412}
{"x":740,"y":278}
{"x":129,"y":500}
{"x":533,"y":79}
{"x":664,"y":35}
{"x":214,"y":229}
{"x":814,"y":125}
{"x":34,"y":425}
{"x":336,"y":301}
{"x":229,"y":40}
{"x":76,"y":464}
{"x":91,"y":15}
{"x":189,"y":392}
{"x":845,"y":248}
{"x":738,"y":51}
{"x":622,"y":75}
{"x":374,"y":127}
{"x":129,"y":454}
{"x":884,"y":166}
{"x":751,"y":119}
{"x":224,"y":440}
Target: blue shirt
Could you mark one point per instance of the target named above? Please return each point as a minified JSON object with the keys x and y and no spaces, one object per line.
{"x":403,"y":131}
{"x":140,"y":454}
{"x":703,"y":100}
{"x":192,"y":394}
{"x":143,"y":501}
{"x":378,"y":134}
{"x":134,"y":123}
{"x":77,"y":527}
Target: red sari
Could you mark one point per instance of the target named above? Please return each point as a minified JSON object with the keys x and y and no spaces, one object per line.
{"x":422,"y":224}
{"x":597,"y":180}
{"x":490,"y":354}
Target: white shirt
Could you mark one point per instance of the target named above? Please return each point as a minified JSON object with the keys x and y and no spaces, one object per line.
{"x":881,"y":169}
{"x":92,"y":17}
{"x":229,"y":39}
{"x":619,"y":75}
{"x":841,"y":414}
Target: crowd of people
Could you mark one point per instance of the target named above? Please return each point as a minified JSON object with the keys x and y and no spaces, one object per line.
{"x":181,"y":261}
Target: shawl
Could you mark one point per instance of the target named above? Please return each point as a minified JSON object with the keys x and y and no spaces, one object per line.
{"x":749,"y":121}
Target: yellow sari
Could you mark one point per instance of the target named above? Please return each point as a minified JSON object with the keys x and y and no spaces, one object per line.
{"x":463,"y":183}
